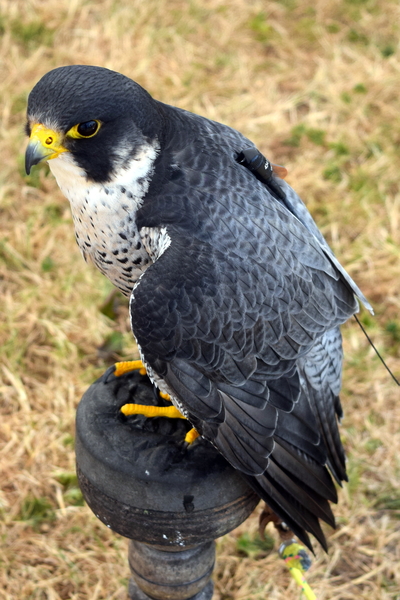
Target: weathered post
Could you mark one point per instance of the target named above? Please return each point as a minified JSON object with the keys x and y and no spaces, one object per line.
{"x":172,"y":500}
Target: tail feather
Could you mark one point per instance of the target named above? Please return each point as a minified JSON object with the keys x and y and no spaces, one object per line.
{"x":297,"y":517}
{"x":313,"y":474}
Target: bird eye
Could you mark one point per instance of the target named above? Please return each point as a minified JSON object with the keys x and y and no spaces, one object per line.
{"x":87,"y":129}
{"x":84,"y":130}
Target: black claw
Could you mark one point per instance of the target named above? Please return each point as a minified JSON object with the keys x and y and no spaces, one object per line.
{"x":109,"y":374}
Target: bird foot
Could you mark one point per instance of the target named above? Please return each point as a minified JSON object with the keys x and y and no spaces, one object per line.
{"x":268,"y":516}
{"x":191,"y":436}
{"x":120,"y":368}
{"x":159,"y":411}
{"x":151,"y":411}
{"x":126,"y":366}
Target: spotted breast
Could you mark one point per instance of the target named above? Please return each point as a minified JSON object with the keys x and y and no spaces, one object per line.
{"x":104,"y":217}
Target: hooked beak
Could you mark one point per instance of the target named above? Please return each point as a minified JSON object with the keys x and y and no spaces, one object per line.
{"x":44,"y":144}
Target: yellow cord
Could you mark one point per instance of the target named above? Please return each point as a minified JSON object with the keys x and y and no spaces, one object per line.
{"x":297,"y":561}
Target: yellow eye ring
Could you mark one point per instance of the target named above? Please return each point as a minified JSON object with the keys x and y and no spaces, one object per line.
{"x":85,"y":130}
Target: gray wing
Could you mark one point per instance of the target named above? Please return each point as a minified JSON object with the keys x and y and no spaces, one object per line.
{"x":225,"y":144}
{"x":321,"y":372}
{"x":227,"y":339}
{"x":237,"y":317}
{"x":301,"y":212}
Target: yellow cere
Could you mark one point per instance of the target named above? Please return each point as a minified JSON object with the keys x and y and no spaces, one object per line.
{"x":49,"y":140}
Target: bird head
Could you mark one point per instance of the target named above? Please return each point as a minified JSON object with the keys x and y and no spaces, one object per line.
{"x":93,"y":117}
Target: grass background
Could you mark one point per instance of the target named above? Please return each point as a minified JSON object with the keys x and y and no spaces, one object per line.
{"x":316,"y":85}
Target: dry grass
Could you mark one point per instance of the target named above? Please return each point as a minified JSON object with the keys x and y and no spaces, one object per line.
{"x":316,"y":85}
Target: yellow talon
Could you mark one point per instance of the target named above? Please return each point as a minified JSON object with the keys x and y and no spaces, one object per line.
{"x":191,"y":435}
{"x":129,"y":365}
{"x":165,"y":396}
{"x":159,"y":411}
{"x":152,"y":411}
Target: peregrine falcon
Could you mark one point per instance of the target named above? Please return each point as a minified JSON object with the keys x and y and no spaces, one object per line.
{"x":235,"y":297}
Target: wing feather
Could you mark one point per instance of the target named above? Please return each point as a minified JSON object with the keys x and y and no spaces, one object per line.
{"x":240,"y":317}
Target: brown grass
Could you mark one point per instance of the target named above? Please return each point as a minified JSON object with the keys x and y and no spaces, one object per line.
{"x":316,"y":85}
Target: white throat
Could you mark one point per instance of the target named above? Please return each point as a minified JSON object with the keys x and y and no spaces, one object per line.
{"x":105,"y":214}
